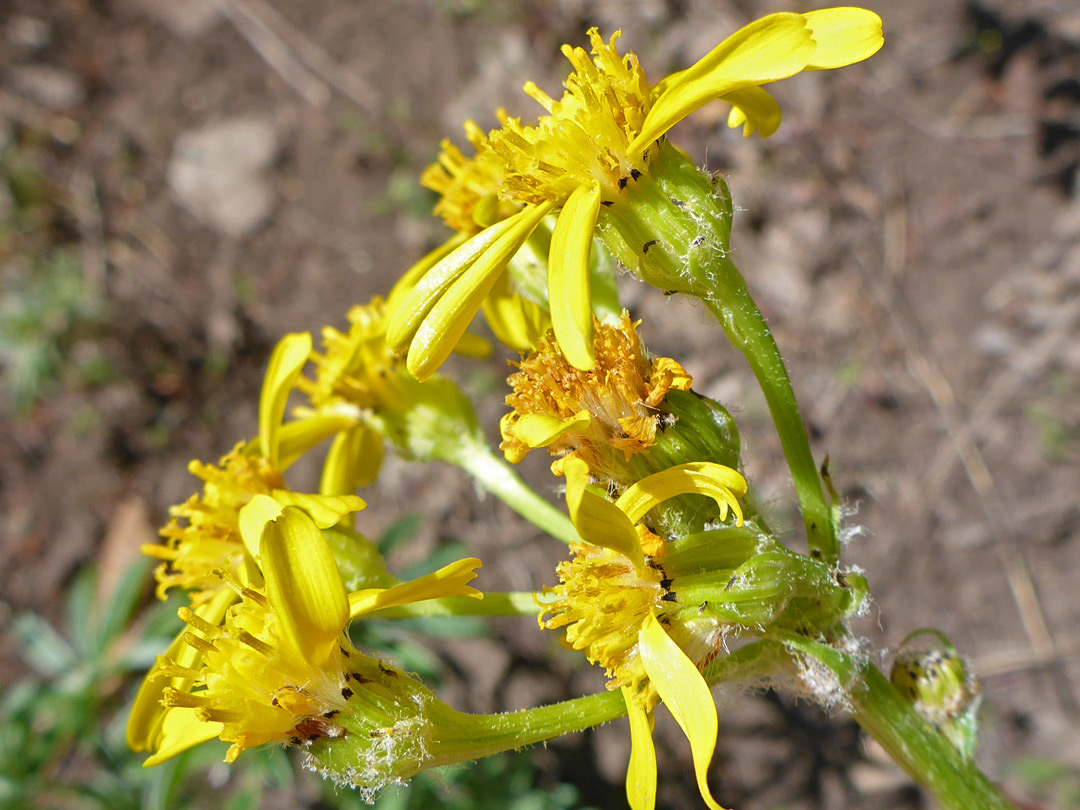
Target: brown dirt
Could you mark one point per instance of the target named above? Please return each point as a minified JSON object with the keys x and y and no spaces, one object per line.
{"x":909,"y":232}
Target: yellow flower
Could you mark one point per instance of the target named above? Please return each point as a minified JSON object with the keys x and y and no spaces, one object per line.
{"x":611,"y":600}
{"x":203,"y":539}
{"x":357,"y":376}
{"x":578,"y":159}
{"x":603,"y":415}
{"x":358,"y":370}
{"x":280,"y":667}
{"x":468,"y":188}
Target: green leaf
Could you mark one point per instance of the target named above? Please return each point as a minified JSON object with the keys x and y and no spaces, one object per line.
{"x":42,"y":647}
{"x":404,"y":529}
{"x":122,"y":603}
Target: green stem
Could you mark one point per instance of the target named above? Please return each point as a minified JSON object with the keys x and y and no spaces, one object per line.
{"x":497,"y":477}
{"x":921,"y":750}
{"x":918,"y":747}
{"x":746,"y":328}
{"x":396,"y":728}
{"x":517,"y":603}
{"x":471,"y":736}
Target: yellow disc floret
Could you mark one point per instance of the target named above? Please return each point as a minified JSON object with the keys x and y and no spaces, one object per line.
{"x":468,"y":188}
{"x":603,"y":601}
{"x":583,"y":140}
{"x":256,"y":686}
{"x":203,"y":536}
{"x":353,"y":365}
{"x":612,"y":407}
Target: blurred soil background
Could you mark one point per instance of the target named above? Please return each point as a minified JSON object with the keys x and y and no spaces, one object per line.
{"x":183,"y":182}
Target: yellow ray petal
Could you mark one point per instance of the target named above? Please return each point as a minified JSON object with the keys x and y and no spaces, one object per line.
{"x":303,"y":584}
{"x":754,"y":110}
{"x":598,"y":520}
{"x":686,"y":694}
{"x":288,"y":359}
{"x":723,"y":484}
{"x":515,"y":320}
{"x":568,"y":276}
{"x":297,"y":437}
{"x":414,"y":305}
{"x":182,"y":729}
{"x":766,"y":50}
{"x":254,"y":515}
{"x":540,"y":429}
{"x":352,"y":462}
{"x":843,"y":36}
{"x":641,"y":772}
{"x":474,"y":346}
{"x":147,"y":714}
{"x":409,"y":279}
{"x":325,"y":510}
{"x":448,"y":317}
{"x":450,"y":580}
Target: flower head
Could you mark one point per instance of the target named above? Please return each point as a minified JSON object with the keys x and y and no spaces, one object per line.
{"x":202,"y":538}
{"x":579,"y":158}
{"x":203,"y":543}
{"x":611,"y":601}
{"x":604,"y":415}
{"x":278,"y":666}
{"x":468,"y":188}
{"x":356,"y":373}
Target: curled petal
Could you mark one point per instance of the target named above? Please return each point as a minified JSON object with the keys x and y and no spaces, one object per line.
{"x":325,"y":510}
{"x":411,"y":304}
{"x":450,"y":580}
{"x":413,"y":275}
{"x":474,"y":346}
{"x":540,"y":429}
{"x":254,"y":516}
{"x":297,"y":437}
{"x":303,"y":584}
{"x":568,"y":276}
{"x":754,"y":110}
{"x":515,"y":320}
{"x":723,"y":484}
{"x":352,"y":462}
{"x":686,"y":695}
{"x":286,"y":362}
{"x":181,"y":729}
{"x":766,"y":50}
{"x":446,"y":319}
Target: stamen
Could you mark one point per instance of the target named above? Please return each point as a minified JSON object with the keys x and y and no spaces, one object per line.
{"x":176,"y":699}
{"x":256,"y":644}
{"x":196,"y":622}
{"x":199,"y":643}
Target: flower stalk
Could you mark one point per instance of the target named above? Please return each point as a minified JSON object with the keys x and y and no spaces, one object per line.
{"x":461,"y":737}
{"x":927,"y":755}
{"x":497,"y":477}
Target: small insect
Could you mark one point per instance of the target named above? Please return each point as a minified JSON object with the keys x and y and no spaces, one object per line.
{"x":312,"y":728}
